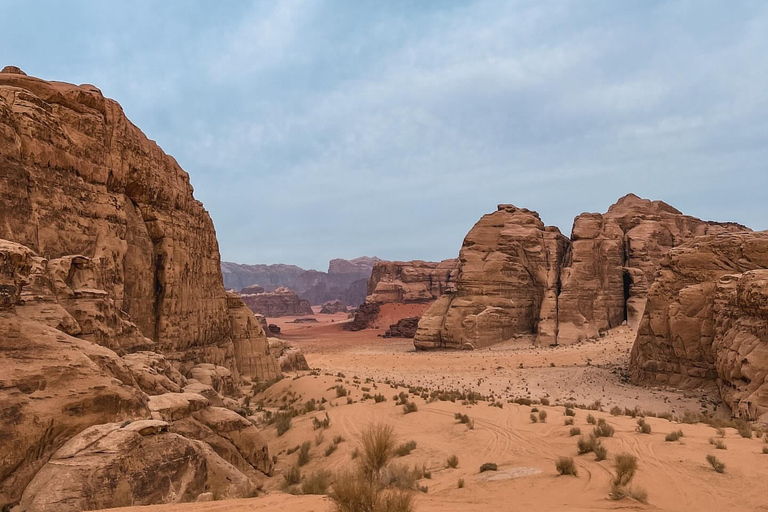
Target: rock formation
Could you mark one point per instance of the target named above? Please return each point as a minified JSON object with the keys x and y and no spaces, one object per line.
{"x":281,"y":302}
{"x":363,"y":317}
{"x":517,"y":277}
{"x":612,"y":260}
{"x":411,"y":281}
{"x":344,"y":281}
{"x":330,"y":308}
{"x":111,"y":295}
{"x":706,"y":321}
{"x":404,"y":328}
{"x":507,"y":284}
{"x":288,"y":357}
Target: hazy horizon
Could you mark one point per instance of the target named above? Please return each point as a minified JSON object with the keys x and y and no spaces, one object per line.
{"x":315,"y":130}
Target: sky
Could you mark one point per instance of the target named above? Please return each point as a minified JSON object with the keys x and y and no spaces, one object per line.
{"x":313,"y":130}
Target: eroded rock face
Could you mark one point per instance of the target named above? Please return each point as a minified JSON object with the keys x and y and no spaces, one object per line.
{"x":281,"y":302}
{"x":404,"y":328}
{"x":612,"y":261}
{"x":706,"y":321}
{"x":140,"y":463}
{"x":113,"y":220}
{"x":411,"y":281}
{"x":330,"y":308}
{"x":507,"y":284}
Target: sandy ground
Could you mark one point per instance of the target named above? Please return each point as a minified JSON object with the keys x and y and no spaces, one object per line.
{"x":675,"y":474}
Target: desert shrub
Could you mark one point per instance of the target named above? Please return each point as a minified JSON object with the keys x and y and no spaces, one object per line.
{"x":319,"y":438}
{"x":292,"y":476}
{"x":636,"y":493}
{"x":488,"y":466}
{"x":718,"y":443}
{"x":665,"y":415}
{"x":586,"y":444}
{"x":291,"y":451}
{"x":601,"y":452}
{"x":304,"y":455}
{"x":565,"y":466}
{"x":310,"y":405}
{"x":341,"y":391}
{"x":338,"y":439}
{"x":351,"y":492}
{"x":765,"y":450}
{"x":632,"y":413}
{"x":534,"y":418}
{"x":534,"y":409}
{"x":544,"y":401}
{"x":720,"y":431}
{"x":330,"y":449}
{"x":405,"y":449}
{"x":401,"y":476}
{"x":603,"y":429}
{"x":569,"y":411}
{"x":523,"y":401}
{"x":625,"y":465}
{"x":674,"y":435}
{"x":452,"y":462}
{"x":568,"y":421}
{"x":460,"y":483}
{"x":462,"y":418}
{"x":616,"y":411}
{"x":282,"y":423}
{"x":409,"y":407}
{"x":317,"y":483}
{"x":324,"y":423}
{"x":590,"y":419}
{"x":543,"y":416}
{"x":643,"y":427}
{"x":715,"y":463}
{"x":743,"y":428}
{"x":378,"y":445}
{"x":690,"y":417}
{"x":378,"y":398}
{"x":575,"y":431}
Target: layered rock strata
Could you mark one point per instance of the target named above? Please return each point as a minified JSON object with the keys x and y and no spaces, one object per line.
{"x":281,"y":302}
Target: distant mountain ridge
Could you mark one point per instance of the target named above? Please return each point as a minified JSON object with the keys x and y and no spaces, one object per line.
{"x":346,"y":280}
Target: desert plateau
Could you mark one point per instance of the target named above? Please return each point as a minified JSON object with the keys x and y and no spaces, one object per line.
{"x":383,"y":257}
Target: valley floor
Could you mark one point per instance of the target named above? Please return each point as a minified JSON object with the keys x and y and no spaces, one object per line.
{"x":675,"y":475}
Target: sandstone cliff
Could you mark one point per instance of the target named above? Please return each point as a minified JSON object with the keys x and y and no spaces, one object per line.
{"x":110,"y":296}
{"x":281,"y":302}
{"x":706,"y":321}
{"x":507,"y":284}
{"x":411,"y":281}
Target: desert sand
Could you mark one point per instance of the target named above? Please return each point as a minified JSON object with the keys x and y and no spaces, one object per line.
{"x":675,"y":475}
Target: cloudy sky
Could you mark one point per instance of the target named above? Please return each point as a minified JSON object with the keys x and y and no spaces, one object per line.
{"x":321,"y":129}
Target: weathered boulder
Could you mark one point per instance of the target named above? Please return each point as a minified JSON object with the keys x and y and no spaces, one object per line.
{"x":139,"y":463}
{"x":281,"y":302}
{"x":330,"y":308}
{"x":612,"y":261}
{"x":507,"y":284}
{"x":706,"y":322}
{"x":154,"y":374}
{"x":288,"y":356}
{"x":364,"y":316}
{"x":404,"y":328}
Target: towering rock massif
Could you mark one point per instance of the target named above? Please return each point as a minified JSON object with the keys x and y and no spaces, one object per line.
{"x":517,"y":277}
{"x":706,"y":321}
{"x":612,"y":261}
{"x":411,"y":281}
{"x":507,"y":284}
{"x":116,"y":334}
{"x":344,"y":281}
{"x":281,"y":302}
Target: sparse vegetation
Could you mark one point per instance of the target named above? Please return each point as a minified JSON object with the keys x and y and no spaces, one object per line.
{"x":743,"y":428}
{"x":534,"y":418}
{"x":452,"y":462}
{"x":330,"y":449}
{"x":716,"y":464}
{"x":565,"y":466}
{"x":586,"y":444}
{"x":718,"y":443}
{"x":603,"y":429}
{"x":575,"y":431}
{"x":409,"y":407}
{"x":568,"y":421}
{"x":324,"y":423}
{"x":601,"y":452}
{"x":626,"y":466}
{"x":643,"y":427}
{"x":405,"y":449}
{"x":590,"y":419}
{"x":543,"y":416}
{"x":488,"y":466}
{"x":569,"y":411}
{"x":674,"y":435}
{"x":616,"y":411}
{"x":304,"y":455}
{"x":460,"y":483}
{"x":282,"y":423}
{"x":317,"y":483}
{"x":292,"y":476}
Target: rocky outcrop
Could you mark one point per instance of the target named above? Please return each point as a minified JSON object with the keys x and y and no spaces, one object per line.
{"x":612,"y":260}
{"x":706,"y":321}
{"x":110,"y":295}
{"x":289,"y":357}
{"x":281,"y":302}
{"x":330,"y":308}
{"x":411,"y":281}
{"x":363,"y":317}
{"x":404,"y":328}
{"x":128,"y":258}
{"x":507,"y":284}
{"x":345,"y":280}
